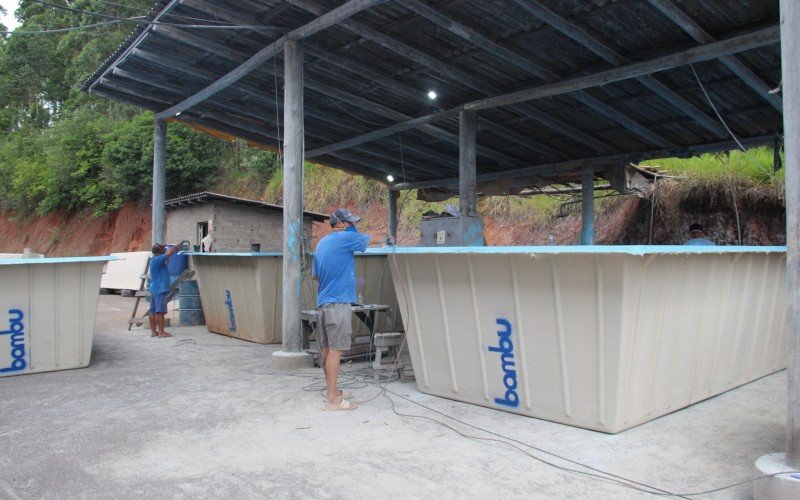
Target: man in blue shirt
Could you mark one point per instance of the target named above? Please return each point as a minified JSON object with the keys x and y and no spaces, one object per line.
{"x":697,"y":236}
{"x":335,"y":269}
{"x":159,"y":288}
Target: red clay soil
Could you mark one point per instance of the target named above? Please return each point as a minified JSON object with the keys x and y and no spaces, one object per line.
{"x":63,"y":234}
{"x":630,"y":221}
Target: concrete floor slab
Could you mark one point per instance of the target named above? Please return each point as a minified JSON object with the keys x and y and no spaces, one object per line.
{"x":202,"y":415}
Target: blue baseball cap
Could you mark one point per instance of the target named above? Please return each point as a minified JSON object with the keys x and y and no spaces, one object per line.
{"x":343,"y":215}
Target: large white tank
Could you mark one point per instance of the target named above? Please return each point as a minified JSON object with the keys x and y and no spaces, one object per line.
{"x":47,"y":313}
{"x":604,"y":338}
{"x":242,"y":293}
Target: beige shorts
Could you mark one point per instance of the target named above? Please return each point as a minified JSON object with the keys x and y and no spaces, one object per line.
{"x":334,"y":326}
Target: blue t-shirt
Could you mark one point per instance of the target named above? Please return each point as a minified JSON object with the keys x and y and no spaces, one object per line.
{"x":159,"y":275}
{"x":335,"y":267}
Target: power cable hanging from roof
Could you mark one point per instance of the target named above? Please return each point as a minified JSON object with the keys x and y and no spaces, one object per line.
{"x":725,"y":124}
{"x":169,"y":14}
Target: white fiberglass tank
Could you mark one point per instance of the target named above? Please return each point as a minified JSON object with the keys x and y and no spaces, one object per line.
{"x":47,"y":313}
{"x":599,"y":337}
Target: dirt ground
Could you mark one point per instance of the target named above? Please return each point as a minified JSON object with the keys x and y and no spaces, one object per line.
{"x":201,"y":415}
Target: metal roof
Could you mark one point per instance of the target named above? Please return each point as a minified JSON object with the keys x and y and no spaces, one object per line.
{"x":208,"y":196}
{"x":557,"y":83}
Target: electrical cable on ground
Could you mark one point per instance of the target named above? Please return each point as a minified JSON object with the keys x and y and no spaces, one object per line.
{"x":360,"y":378}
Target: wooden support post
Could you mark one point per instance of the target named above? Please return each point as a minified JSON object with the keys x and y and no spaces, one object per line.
{"x":790,"y":58}
{"x":467,"y":163}
{"x":291,"y":355}
{"x":159,"y":180}
{"x":393,"y":195}
{"x":587,"y":213}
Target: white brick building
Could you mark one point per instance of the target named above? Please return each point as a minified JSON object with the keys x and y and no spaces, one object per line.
{"x":234,"y":223}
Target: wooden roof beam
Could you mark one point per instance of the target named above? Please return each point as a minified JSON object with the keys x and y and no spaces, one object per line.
{"x":405,"y":91}
{"x":714,"y":50}
{"x":376,"y":108}
{"x":235,"y":55}
{"x":253,"y":92}
{"x":457,"y":75}
{"x":320,"y":23}
{"x":581,"y":36}
{"x":574,"y":165}
{"x":677,"y":16}
{"x":759,"y":38}
{"x":523,"y":63}
{"x":232,"y":126}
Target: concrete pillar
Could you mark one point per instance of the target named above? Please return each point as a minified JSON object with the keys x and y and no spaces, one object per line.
{"x":587,"y":212}
{"x":292,"y":356}
{"x":393,"y":195}
{"x":790,"y":58}
{"x":786,"y":486}
{"x":159,"y":180}
{"x":467,"y":163}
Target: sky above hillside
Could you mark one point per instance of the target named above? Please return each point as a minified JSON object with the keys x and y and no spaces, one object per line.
{"x":8,"y":19}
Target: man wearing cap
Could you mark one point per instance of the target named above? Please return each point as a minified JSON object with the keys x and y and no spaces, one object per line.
{"x":159,"y":288}
{"x":697,"y":236}
{"x":334,"y":268}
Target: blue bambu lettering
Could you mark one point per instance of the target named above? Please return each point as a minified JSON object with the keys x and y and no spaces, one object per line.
{"x":231,"y":314}
{"x":505,"y":346}
{"x":16,"y":336}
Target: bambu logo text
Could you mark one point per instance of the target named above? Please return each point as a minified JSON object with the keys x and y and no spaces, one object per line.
{"x":506,"y":349}
{"x":16,"y":341}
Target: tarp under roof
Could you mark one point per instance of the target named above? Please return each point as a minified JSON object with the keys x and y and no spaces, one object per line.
{"x":598,"y":81}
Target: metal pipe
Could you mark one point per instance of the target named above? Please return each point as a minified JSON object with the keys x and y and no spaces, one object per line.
{"x":292,"y":196}
{"x":159,"y":180}
{"x":467,"y":163}
{"x":587,"y":212}
{"x":393,"y":195}
{"x":790,"y":61}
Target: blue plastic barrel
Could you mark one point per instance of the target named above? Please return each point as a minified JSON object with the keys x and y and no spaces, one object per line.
{"x":191,"y":307}
{"x":177,"y":264}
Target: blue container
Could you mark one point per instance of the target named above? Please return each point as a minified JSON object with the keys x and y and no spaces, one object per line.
{"x":191,"y":307}
{"x":177,"y":264}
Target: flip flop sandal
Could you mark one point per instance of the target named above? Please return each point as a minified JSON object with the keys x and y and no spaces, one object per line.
{"x":342,"y":406}
{"x":344,"y":395}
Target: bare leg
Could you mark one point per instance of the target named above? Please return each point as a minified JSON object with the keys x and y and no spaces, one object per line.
{"x":323,"y":361}
{"x":152,"y":317}
{"x":160,"y":321}
{"x":331,"y":374}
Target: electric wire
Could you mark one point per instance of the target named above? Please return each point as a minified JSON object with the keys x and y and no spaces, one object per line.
{"x":140,"y":20}
{"x":725,"y":124}
{"x":168,"y":14}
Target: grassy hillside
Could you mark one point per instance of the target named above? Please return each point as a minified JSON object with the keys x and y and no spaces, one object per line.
{"x":722,"y":191}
